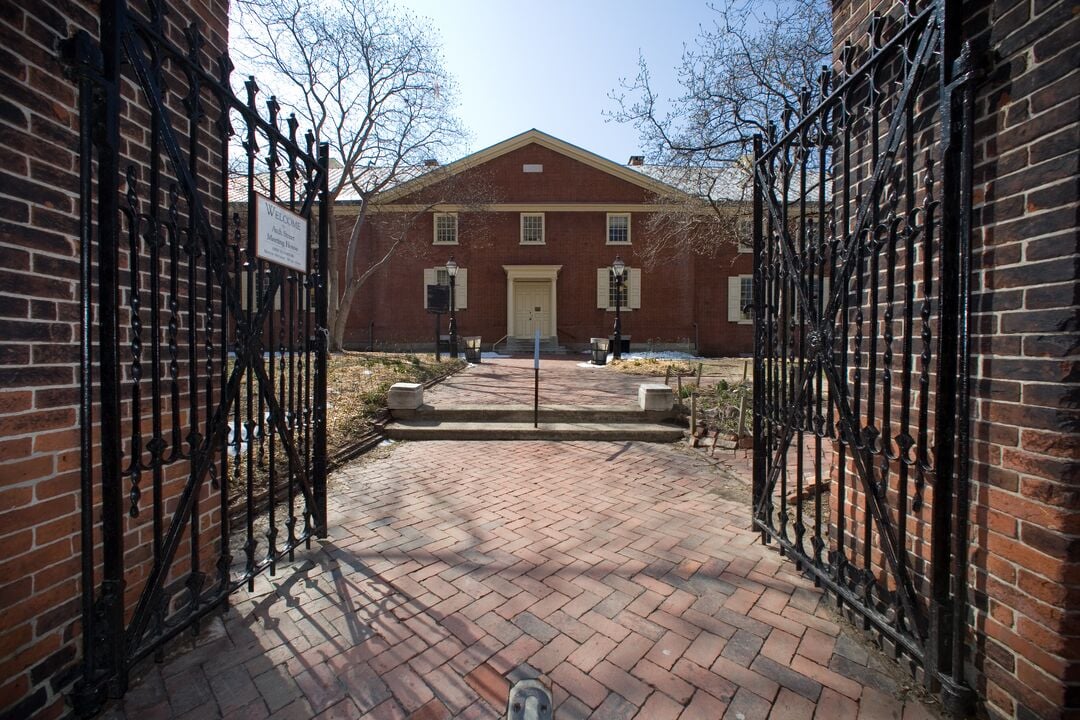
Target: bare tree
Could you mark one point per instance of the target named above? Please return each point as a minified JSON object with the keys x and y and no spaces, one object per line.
{"x":369,"y":80}
{"x":737,"y":77}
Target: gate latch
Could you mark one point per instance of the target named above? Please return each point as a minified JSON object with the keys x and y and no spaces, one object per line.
{"x":529,"y":700}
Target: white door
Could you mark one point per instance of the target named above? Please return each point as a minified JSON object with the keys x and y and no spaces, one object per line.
{"x":531,"y":309}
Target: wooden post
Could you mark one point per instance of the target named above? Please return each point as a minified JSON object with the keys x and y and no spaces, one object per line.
{"x":699,"y":375}
{"x":667,"y":375}
{"x":693,"y":414}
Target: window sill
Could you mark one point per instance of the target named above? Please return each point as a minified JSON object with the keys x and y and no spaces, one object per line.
{"x":532,"y":243}
{"x":445,"y":243}
{"x":618,"y":243}
{"x":623,"y":309}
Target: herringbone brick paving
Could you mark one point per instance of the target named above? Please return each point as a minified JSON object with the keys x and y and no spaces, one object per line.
{"x":614,"y":572}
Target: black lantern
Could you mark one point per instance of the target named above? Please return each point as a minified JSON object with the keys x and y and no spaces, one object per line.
{"x":618,"y":268}
{"x":451,"y":270}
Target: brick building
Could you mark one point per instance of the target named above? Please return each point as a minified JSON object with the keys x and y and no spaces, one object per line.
{"x":537,"y":257}
{"x":1025,"y":535}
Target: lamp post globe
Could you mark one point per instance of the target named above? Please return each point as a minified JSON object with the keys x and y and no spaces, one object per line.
{"x":618,"y":267}
{"x":451,"y":271}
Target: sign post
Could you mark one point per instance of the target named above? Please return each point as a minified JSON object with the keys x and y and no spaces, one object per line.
{"x":536,"y":379}
{"x":438,"y":302}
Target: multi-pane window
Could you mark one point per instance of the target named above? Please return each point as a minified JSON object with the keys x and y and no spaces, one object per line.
{"x":532,"y":228}
{"x":618,"y":228}
{"x":445,"y":229}
{"x":442,"y":277}
{"x":744,"y":232}
{"x":746,"y":295}
{"x":606,"y":294}
{"x":619,"y":291}
{"x":740,"y":298}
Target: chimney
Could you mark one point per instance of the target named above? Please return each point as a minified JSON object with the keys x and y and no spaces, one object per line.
{"x":431,"y":162}
{"x":636,"y":161}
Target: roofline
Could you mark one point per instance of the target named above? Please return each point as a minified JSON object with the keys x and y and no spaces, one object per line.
{"x":519,"y":141}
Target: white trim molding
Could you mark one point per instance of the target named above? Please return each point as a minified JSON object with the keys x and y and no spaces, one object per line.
{"x":519,"y":141}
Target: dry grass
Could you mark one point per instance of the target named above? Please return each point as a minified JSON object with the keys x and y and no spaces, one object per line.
{"x":712,"y":369}
{"x":719,"y":394}
{"x":357,"y":383}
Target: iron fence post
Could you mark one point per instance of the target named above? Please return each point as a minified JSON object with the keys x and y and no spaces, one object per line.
{"x":111,"y":612}
{"x":948,"y":580}
{"x":321,"y":316}
{"x":759,"y":336}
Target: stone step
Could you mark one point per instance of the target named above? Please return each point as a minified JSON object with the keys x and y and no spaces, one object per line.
{"x":446,"y":430}
{"x":514,"y":347}
{"x":609,"y":414}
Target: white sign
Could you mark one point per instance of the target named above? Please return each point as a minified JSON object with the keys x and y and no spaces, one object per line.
{"x":281,"y":236}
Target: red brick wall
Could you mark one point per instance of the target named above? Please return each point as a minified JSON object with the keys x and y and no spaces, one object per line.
{"x":675,"y":294}
{"x":39,"y":346}
{"x":1025,"y":535}
{"x":1026,"y":378}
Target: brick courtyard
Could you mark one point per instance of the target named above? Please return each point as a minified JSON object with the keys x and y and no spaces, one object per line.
{"x":615,"y":572}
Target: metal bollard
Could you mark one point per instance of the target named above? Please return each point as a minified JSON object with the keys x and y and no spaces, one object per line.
{"x":529,"y":700}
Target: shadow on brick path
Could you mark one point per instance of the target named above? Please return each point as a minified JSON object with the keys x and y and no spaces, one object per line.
{"x":615,"y":572}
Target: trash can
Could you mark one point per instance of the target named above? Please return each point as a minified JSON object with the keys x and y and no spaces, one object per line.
{"x":624,"y":345}
{"x":599,"y":350}
{"x":472,"y":348}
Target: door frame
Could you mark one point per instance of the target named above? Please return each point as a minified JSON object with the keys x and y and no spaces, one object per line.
{"x":532,"y":273}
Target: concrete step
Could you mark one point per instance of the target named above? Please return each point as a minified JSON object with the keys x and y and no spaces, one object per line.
{"x":515,"y":347}
{"x":609,"y":414}
{"x":447,"y":430}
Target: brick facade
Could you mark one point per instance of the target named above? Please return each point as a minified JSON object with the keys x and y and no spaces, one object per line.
{"x":1025,"y":514}
{"x":684,"y":298}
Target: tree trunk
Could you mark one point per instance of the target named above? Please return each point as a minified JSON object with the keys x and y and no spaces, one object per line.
{"x":333,"y":283}
{"x":337,"y":335}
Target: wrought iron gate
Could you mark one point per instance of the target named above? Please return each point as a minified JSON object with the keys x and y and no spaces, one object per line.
{"x":861,"y":241}
{"x":203,"y":365}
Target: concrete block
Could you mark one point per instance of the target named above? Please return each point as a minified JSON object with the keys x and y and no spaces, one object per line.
{"x":405,"y":396}
{"x":654,"y":396}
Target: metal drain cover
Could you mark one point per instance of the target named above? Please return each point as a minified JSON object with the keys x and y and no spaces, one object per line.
{"x":529,"y":700}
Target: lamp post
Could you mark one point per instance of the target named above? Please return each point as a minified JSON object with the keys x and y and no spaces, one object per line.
{"x":617,"y":269}
{"x":451,"y":270}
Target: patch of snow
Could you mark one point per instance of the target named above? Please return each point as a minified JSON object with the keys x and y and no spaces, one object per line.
{"x":590,"y":365}
{"x":660,"y":355}
{"x":387,"y":441}
{"x":492,"y":355}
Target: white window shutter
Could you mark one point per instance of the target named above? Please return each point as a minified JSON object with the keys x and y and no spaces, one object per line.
{"x":734,"y":293}
{"x":461,"y":289}
{"x":633,"y":299}
{"x":429,"y":279}
{"x":603,"y":278}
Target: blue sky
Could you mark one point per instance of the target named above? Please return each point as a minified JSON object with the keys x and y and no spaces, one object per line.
{"x":552,"y":64}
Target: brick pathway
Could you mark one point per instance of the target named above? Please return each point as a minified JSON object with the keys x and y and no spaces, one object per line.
{"x":615,"y":572}
{"x":563,"y":381}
